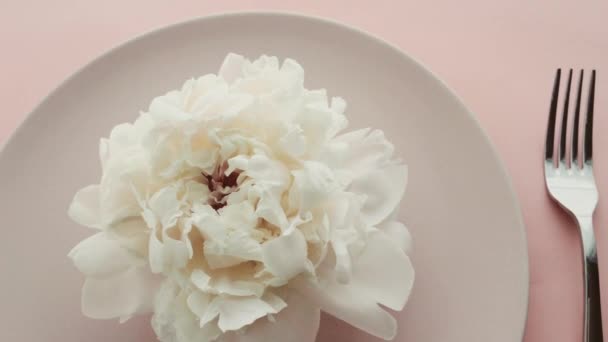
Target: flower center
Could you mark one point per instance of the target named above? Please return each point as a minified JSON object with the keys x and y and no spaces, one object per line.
{"x":220,"y":185}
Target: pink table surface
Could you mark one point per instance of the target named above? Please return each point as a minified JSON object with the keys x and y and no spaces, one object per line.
{"x":499,"y":56}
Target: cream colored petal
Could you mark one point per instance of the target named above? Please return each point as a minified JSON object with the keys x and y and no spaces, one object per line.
{"x":200,"y":279}
{"x":132,"y":234}
{"x":384,"y":272}
{"x":175,"y":252}
{"x":268,"y":171}
{"x":299,"y":320}
{"x":239,"y":216}
{"x":269,"y":208}
{"x":398,"y":232}
{"x":352,"y":306}
{"x":122,"y":135}
{"x":125,"y":177}
{"x":384,"y":189}
{"x":237,"y":288}
{"x":120,"y":295}
{"x":358,"y":152}
{"x":104,"y":152}
{"x":286,"y":256}
{"x":343,"y":267}
{"x":156,"y":256}
{"x":236,"y":312}
{"x":196,"y":192}
{"x":199,"y":303}
{"x":208,"y":222}
{"x":166,"y":206}
{"x":164,"y":108}
{"x":85,"y":208}
{"x":101,"y":256}
{"x":232,"y":249}
{"x":174,"y":319}
{"x":294,"y":142}
{"x":314,"y":183}
{"x":373,"y":282}
{"x":232,"y":67}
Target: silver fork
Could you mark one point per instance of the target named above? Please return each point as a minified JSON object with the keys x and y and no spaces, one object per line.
{"x":571,"y":184}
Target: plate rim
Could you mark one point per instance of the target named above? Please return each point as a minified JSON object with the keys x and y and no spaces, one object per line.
{"x":495,"y":156}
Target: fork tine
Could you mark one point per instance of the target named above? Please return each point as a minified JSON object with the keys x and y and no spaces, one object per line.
{"x":552,"y":113}
{"x":588,"y":147}
{"x":562,"y":144}
{"x":577,"y":116}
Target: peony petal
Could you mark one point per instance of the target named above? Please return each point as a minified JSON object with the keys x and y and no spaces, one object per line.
{"x":164,"y":108}
{"x":384,"y":189}
{"x":196,"y":192}
{"x":346,"y":238}
{"x":104,"y":152}
{"x":299,"y":321}
{"x":269,"y":208}
{"x":85,"y":209}
{"x":149,"y":218}
{"x":199,"y":304}
{"x":237,"y":288}
{"x":132,"y":234}
{"x":297,"y":222}
{"x":208,"y":222}
{"x":343,"y":267}
{"x":239,"y":162}
{"x":286,"y":256}
{"x":165,"y":309}
{"x":352,"y":306}
{"x":277,"y":303}
{"x":125,"y":177}
{"x":398,"y":232}
{"x":166,"y":206}
{"x":232,"y":249}
{"x":216,"y":259}
{"x":175,"y":318}
{"x":314,"y":182}
{"x":293,"y":68}
{"x":271,"y":179}
{"x":232,"y":67}
{"x":389,"y":286}
{"x":267,"y":171}
{"x":358,"y":152}
{"x":168,"y":253}
{"x":200,"y":279}
{"x":156,"y":254}
{"x":100,"y":256}
{"x":234,"y":104}
{"x":122,"y":135}
{"x":239,"y":216}
{"x":120,"y":295}
{"x":236,"y":312}
{"x":203,"y":158}
{"x":319,"y":123}
{"x":357,"y":302}
{"x":208,"y":90}
{"x":175,"y":252}
{"x":294,"y":142}
{"x":340,"y":209}
{"x":225,"y":285}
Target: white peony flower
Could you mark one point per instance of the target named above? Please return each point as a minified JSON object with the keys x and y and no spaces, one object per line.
{"x":235,"y":210}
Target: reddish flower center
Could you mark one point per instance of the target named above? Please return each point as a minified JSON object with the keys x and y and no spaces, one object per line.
{"x":220,"y":185}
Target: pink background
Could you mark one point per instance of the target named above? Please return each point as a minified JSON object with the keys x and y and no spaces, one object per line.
{"x":500,"y":57}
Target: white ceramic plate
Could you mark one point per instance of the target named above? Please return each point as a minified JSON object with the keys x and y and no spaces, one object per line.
{"x":470,"y":250}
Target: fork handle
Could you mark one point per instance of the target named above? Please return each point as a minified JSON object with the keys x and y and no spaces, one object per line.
{"x":592,"y":307}
{"x":593,"y":312}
